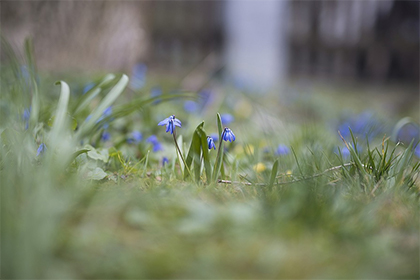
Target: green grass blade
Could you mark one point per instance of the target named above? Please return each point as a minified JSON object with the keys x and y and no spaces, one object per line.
{"x":205,"y":152}
{"x":219,"y":125}
{"x":115,"y":92}
{"x":219,"y":158}
{"x":273,"y":175}
{"x":60,"y":121}
{"x":93,"y":92}
{"x":35,"y":105}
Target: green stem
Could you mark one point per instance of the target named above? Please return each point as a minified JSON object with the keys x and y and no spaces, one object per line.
{"x":179,"y":151}
{"x":219,"y":154}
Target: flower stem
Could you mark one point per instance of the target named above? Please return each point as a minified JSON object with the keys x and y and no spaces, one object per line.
{"x":179,"y":151}
{"x":219,"y":157}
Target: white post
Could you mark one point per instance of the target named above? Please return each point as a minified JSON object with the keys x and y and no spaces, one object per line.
{"x":256,"y":43}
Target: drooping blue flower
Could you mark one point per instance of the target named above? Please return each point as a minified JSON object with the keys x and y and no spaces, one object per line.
{"x":106,"y":136}
{"x":170,"y":123}
{"x":165,"y":160}
{"x":190,"y":106}
{"x":41,"y":149}
{"x":228,"y":135}
{"x":156,"y":145}
{"x":227,"y":119}
{"x":210,"y":143}
{"x":282,"y":150}
{"x":136,"y":137}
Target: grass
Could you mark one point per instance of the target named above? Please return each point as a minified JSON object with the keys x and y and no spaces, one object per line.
{"x":112,"y":210}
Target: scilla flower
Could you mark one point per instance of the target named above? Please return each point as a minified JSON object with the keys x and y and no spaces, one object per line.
{"x":228,"y":135}
{"x":227,"y":118}
{"x":282,"y":150}
{"x":170,"y":122}
{"x":157,"y":146}
{"x":210,"y":143}
{"x":41,"y":149}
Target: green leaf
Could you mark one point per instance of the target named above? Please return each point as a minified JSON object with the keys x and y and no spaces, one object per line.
{"x":219,"y":158}
{"x":194,"y":153}
{"x":273,"y":175}
{"x":219,"y":125}
{"x":93,"y":92}
{"x":95,"y":154}
{"x":60,"y":121}
{"x":89,"y":125}
{"x":205,"y":152}
{"x":96,"y":174}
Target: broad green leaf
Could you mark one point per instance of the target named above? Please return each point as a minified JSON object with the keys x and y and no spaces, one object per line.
{"x":96,"y":174}
{"x":205,"y":153}
{"x":194,"y":153}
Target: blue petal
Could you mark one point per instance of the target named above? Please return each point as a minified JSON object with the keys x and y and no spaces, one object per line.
{"x":165,"y":121}
{"x":177,"y":122}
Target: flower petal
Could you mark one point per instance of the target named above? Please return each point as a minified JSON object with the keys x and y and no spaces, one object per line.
{"x":165,"y":121}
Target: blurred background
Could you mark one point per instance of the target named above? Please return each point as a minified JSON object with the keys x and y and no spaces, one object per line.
{"x":252,"y":44}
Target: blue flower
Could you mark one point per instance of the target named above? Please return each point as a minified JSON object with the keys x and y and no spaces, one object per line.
{"x":41,"y":149}
{"x":136,"y":137}
{"x":106,"y":113}
{"x":228,"y":135}
{"x":282,"y":150}
{"x":170,"y":123}
{"x":364,"y":124}
{"x":345,"y":153}
{"x":157,"y":146}
{"x":105,"y":136}
{"x":417,"y":151}
{"x":227,"y":119}
{"x":215,"y":137}
{"x":210,"y":143}
{"x":26,"y":113}
{"x":190,"y":106}
{"x":165,"y":160}
{"x":88,"y":87}
{"x":26,"y":116}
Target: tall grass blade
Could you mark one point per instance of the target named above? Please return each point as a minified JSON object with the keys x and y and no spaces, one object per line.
{"x":89,"y":125}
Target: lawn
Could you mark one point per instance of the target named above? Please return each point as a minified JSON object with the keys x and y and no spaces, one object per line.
{"x":92,"y":186}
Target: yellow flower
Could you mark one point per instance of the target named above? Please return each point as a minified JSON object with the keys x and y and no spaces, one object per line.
{"x":259,"y":167}
{"x":289,"y":172}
